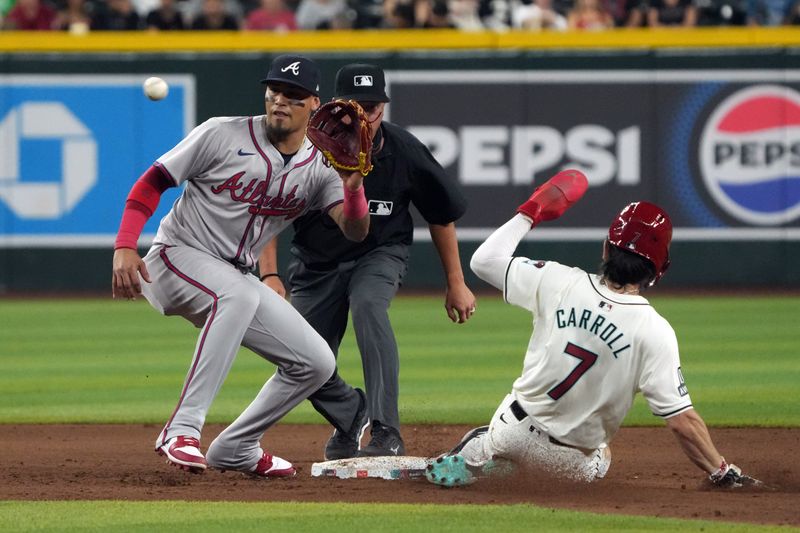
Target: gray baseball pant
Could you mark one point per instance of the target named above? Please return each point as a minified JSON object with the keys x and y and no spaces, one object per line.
{"x":232,"y":309}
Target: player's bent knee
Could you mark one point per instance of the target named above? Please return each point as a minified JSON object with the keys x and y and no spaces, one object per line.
{"x":314,"y":367}
{"x":322,"y":355}
{"x":324,"y":369}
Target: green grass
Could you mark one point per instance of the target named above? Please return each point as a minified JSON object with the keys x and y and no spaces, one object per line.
{"x":107,"y":361}
{"x":110,"y":361}
{"x":305,"y":517}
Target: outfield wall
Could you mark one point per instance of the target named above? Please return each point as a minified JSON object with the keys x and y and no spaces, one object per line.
{"x":706,"y":123}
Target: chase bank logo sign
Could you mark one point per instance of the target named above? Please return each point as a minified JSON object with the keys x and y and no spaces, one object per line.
{"x":31,"y":121}
{"x":750,"y":155}
{"x":71,"y":147}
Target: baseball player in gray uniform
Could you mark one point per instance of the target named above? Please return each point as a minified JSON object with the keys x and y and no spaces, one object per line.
{"x":595,"y":344}
{"x":246,"y":179}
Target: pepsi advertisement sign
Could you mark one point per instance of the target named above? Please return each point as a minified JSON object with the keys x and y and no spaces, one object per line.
{"x":749,"y":154}
{"x":719,"y":150}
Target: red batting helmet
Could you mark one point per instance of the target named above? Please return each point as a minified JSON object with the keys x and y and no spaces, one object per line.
{"x":644,"y":229}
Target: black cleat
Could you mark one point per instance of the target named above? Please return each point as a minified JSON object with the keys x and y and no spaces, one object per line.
{"x":385,"y":440}
{"x":345,"y":445}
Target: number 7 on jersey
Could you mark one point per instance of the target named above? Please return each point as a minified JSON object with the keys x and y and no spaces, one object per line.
{"x":587,"y":360}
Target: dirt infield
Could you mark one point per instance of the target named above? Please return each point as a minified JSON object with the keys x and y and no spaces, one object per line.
{"x":649,"y":475}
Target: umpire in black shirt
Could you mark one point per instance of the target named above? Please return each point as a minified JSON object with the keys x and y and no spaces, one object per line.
{"x":329,"y":275}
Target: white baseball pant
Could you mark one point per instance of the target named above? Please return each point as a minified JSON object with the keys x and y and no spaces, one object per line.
{"x":515,"y":436}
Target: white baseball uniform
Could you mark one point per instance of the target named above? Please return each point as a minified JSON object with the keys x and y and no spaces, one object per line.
{"x":239,"y":194}
{"x":591,"y":351}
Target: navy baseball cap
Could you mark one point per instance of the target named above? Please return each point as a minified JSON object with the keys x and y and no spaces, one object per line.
{"x":360,"y":81}
{"x":295,"y":70}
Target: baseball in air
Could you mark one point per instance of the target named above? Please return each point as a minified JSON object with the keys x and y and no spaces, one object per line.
{"x":155,"y":88}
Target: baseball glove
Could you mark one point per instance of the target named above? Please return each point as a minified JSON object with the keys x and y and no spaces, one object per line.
{"x":341,"y":131}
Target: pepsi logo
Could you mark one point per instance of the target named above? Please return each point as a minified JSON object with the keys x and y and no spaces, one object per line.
{"x":750,"y":155}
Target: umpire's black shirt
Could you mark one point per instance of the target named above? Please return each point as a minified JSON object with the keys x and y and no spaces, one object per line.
{"x":404,"y":171}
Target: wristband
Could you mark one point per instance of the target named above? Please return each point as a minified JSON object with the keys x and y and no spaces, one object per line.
{"x":142,"y":201}
{"x":265,"y":276}
{"x":134,"y":218}
{"x":355,"y":204}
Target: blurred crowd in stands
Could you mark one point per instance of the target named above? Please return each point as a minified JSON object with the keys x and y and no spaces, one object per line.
{"x":80,"y":16}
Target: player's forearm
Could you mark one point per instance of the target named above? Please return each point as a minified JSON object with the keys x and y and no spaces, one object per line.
{"x":446,"y":243}
{"x":142,"y":202}
{"x":355,"y":230}
{"x":490,"y":260}
{"x":695,"y":440}
{"x":352,"y":215}
{"x":268,"y":260}
{"x":134,"y":217}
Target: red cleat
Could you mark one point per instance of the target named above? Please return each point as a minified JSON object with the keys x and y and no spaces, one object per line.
{"x":272,"y":466}
{"x":184,"y":452}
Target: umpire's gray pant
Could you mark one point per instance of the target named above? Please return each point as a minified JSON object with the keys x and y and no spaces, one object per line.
{"x":365,"y":287}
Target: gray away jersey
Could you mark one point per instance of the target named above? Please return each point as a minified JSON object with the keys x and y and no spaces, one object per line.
{"x":239,"y":194}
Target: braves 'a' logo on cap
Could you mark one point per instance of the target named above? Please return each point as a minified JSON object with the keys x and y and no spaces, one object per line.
{"x":294,"y":67}
{"x":750,"y":154}
{"x":362,"y":80}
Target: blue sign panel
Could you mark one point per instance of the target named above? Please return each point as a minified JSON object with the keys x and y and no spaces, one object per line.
{"x":71,"y":147}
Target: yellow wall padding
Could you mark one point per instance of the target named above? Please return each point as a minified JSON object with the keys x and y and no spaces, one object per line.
{"x":395,"y":40}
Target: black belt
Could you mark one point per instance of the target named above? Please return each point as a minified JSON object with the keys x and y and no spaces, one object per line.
{"x":518,"y":411}
{"x":520,"y":414}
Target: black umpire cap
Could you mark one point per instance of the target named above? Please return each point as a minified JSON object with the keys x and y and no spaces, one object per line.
{"x":360,"y":81}
{"x":295,"y":70}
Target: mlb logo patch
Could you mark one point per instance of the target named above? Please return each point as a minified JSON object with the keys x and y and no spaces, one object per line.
{"x":380,"y":207}
{"x":362,"y":81}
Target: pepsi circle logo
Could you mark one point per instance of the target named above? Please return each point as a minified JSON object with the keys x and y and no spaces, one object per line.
{"x":750,"y":155}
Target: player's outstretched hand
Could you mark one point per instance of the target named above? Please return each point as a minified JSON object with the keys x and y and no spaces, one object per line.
{"x":556,"y":195}
{"x":127,"y":266}
{"x":731,"y":477}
